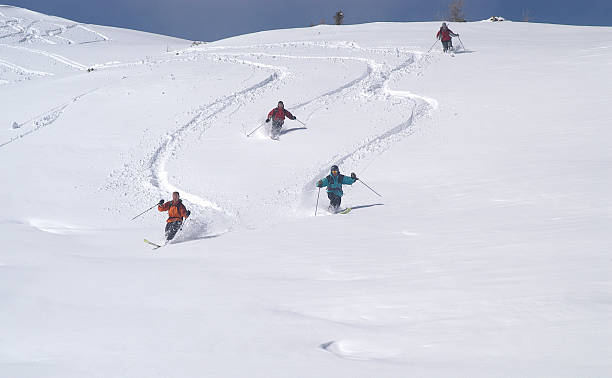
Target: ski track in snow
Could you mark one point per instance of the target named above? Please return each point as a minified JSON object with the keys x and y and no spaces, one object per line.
{"x":371,"y":64}
{"x":204,"y":120}
{"x":105,"y":38}
{"x":372,"y":83}
{"x":30,"y":33}
{"x":22,"y":70}
{"x":46,"y":31}
{"x":424,"y":106}
{"x":56,"y":57}
{"x":45,"y":119}
{"x":61,"y":29}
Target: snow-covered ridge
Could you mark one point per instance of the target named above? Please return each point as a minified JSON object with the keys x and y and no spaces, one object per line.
{"x":33,"y":44}
{"x":18,"y":25}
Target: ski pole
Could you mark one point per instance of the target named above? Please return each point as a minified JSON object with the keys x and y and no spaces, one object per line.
{"x":317,"y":207}
{"x":144,"y":212}
{"x":462,"y":45}
{"x":258,"y":127}
{"x":182,"y":225}
{"x":432,"y":46}
{"x":368,"y":186}
{"x":300,"y":122}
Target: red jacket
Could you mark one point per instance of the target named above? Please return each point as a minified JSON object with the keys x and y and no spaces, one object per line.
{"x":279,"y":114}
{"x":446,"y":34}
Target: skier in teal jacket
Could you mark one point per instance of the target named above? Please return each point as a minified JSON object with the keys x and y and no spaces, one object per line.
{"x":334,"y":183}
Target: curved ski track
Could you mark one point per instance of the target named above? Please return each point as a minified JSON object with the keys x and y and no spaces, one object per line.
{"x":373,"y":82}
{"x":45,"y":119}
{"x":29,"y":33}
{"x":23,"y":31}
{"x":56,"y":57}
{"x":203,"y":121}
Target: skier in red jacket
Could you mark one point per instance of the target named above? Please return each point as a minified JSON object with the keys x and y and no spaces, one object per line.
{"x":278,"y":118}
{"x":445,"y":34}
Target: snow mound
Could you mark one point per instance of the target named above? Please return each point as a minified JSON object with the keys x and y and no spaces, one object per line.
{"x":360,"y":350}
{"x":54,"y":226}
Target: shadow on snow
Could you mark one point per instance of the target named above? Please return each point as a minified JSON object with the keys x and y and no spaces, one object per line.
{"x":283,"y":132}
{"x":364,"y":206}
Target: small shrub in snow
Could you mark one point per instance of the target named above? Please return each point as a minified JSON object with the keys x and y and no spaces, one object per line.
{"x":526,"y":15}
{"x":339,"y":17}
{"x":455,"y":11}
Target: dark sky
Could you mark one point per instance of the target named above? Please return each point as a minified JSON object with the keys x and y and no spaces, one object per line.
{"x":210,"y":20}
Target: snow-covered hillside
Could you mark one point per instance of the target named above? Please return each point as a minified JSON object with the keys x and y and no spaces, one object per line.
{"x":488,"y":253}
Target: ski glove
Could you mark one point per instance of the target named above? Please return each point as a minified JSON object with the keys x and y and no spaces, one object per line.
{"x":354,"y":176}
{"x":320,"y":184}
{"x":267,"y":120}
{"x":187,"y":214}
{"x":161,"y":202}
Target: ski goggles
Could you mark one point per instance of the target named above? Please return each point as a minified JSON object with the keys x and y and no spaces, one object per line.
{"x":335,"y":171}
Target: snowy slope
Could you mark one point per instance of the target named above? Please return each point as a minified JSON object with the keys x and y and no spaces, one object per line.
{"x":488,"y":254}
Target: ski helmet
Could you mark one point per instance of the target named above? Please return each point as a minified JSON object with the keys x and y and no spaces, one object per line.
{"x":335,"y":168}
{"x":444,"y":24}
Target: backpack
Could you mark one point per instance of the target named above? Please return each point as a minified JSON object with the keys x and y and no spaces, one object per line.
{"x":330,"y":181}
{"x":178,"y":209}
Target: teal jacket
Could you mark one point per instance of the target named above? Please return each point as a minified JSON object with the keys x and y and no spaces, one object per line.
{"x":334,"y":184}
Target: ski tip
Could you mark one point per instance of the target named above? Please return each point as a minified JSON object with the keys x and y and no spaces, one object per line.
{"x":153,"y":244}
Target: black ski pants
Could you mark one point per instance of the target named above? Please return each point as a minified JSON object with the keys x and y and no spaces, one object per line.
{"x":277,"y":125}
{"x":447,"y":45}
{"x":334,"y":200}
{"x":172,"y":228}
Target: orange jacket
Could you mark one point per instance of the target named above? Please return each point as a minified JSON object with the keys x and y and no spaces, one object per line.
{"x":176,"y":212}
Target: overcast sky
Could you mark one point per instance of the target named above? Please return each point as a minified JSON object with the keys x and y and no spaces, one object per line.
{"x":210,"y":20}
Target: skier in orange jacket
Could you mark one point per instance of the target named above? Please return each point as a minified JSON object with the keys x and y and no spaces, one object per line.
{"x":177,"y":212}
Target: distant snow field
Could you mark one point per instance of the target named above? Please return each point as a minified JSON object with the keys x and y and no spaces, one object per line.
{"x":487,"y":254}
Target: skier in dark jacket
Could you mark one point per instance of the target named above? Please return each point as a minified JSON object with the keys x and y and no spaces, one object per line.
{"x":445,"y":35}
{"x":278,"y":118}
{"x":334,"y":183}
{"x":176,"y":213}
